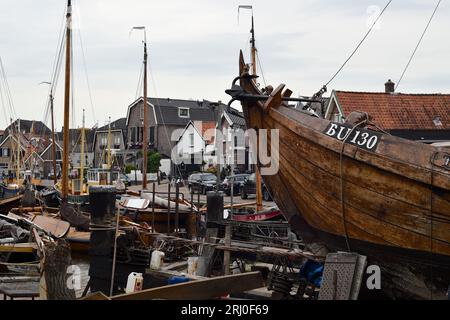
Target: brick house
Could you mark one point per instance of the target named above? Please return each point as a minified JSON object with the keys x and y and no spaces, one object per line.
{"x":418,"y":117}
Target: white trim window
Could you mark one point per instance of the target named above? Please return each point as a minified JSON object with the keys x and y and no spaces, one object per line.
{"x":183,"y":112}
{"x":191,"y":140}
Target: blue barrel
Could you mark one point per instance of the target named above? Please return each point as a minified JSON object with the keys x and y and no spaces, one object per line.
{"x":176,"y":279}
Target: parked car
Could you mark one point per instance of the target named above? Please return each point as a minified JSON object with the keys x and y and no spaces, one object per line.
{"x":236,"y":181}
{"x":202,"y":182}
{"x":51,"y":175}
{"x":248,"y":187}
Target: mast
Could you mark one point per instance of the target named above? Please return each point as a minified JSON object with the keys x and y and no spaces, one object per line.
{"x":82,"y":157}
{"x":55,"y":179}
{"x":108,"y":161}
{"x":65,"y":160}
{"x":18,"y":154}
{"x":254,"y":51}
{"x":145,"y":142}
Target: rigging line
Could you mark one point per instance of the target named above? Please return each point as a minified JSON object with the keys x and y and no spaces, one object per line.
{"x":56,"y":67}
{"x":261,"y":68}
{"x":160,"y":112}
{"x":7,"y":91}
{"x":83,"y":56}
{"x":418,"y":44}
{"x":359,"y":44}
{"x":139,"y":85}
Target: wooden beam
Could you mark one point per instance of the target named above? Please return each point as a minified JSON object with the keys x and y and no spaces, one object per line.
{"x":96,"y":296}
{"x":275,"y":98}
{"x":18,"y":247}
{"x":200,"y":289}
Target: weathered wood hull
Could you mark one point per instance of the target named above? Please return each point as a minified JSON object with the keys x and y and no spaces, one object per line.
{"x":396,"y":197}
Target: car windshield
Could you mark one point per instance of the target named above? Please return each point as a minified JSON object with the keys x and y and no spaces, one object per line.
{"x":209,"y":178}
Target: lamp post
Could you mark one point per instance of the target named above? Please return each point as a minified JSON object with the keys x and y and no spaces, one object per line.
{"x":203,"y":157}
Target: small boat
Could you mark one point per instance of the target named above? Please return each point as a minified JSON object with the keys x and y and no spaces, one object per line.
{"x":9,"y":190}
{"x":266,"y":215}
{"x":353,"y":188}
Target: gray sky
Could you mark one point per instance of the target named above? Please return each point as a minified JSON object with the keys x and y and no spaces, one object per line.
{"x":194,"y":45}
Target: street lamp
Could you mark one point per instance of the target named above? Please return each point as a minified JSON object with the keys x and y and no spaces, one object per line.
{"x":203,"y":157}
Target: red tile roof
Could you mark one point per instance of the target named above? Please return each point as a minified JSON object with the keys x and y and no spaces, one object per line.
{"x":399,"y":111}
{"x":205,"y":126}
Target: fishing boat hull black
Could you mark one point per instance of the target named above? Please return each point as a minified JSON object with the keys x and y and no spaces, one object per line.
{"x":8,"y":192}
{"x":80,"y":201}
{"x":382,"y":196}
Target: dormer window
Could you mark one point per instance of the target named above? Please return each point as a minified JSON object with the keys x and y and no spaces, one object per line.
{"x":183,"y":112}
{"x":437,"y":121}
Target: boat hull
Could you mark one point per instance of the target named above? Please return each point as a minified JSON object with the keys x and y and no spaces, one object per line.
{"x":395,"y":198}
{"x":6,"y":192}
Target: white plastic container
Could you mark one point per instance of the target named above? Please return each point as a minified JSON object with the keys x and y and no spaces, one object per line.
{"x":134,"y":283}
{"x":192,"y":266}
{"x":157,"y":260}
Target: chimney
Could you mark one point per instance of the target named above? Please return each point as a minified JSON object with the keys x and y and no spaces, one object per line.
{"x":389,"y":86}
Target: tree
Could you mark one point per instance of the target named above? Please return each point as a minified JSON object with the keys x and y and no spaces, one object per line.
{"x":129,"y":168}
{"x":153,"y":162}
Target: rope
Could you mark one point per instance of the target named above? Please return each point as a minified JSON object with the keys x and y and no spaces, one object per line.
{"x":433,"y":158}
{"x":359,"y":44}
{"x":418,"y":44}
{"x":115,"y":253}
{"x":341,"y":167}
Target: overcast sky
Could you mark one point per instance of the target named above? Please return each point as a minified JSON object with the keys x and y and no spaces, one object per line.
{"x":194,"y":46}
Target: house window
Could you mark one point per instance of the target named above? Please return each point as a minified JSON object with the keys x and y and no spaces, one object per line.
{"x":104,"y":141}
{"x":152,"y":134}
{"x":5,"y":152}
{"x":141,"y":112}
{"x":183,"y":112}
{"x":191,"y":139}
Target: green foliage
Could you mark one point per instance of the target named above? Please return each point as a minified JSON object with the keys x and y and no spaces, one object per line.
{"x":153,"y":162}
{"x":129,"y":168}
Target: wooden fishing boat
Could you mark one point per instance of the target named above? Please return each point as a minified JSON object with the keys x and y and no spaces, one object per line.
{"x":353,"y":188}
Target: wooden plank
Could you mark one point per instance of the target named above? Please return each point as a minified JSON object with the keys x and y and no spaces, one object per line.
{"x":96,"y":296}
{"x":18,"y":247}
{"x":200,"y":289}
{"x":10,"y":200}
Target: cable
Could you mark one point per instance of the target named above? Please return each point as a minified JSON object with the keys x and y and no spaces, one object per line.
{"x":261,"y":68}
{"x":418,"y":44}
{"x":359,"y":44}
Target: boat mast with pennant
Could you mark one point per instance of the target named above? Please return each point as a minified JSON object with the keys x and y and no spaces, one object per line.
{"x":145,"y":124}
{"x":254,"y":52}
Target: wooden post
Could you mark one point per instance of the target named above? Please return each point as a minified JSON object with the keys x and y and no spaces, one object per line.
{"x":177,"y":214}
{"x":153,"y":208}
{"x":57,"y":260}
{"x":227,"y":254}
{"x":55,"y":177}
{"x":168,"y":209}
